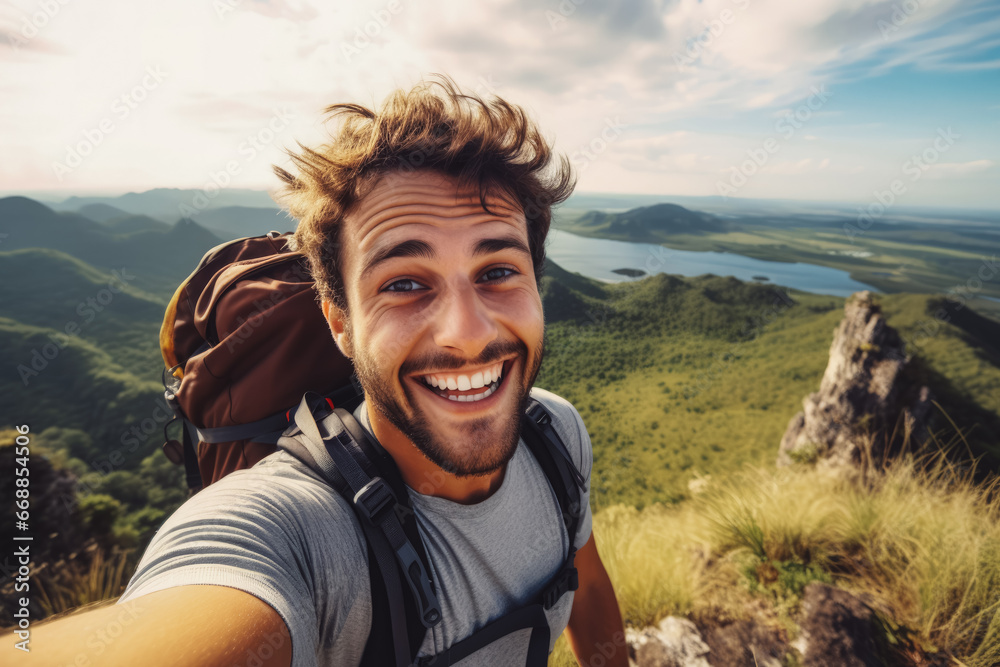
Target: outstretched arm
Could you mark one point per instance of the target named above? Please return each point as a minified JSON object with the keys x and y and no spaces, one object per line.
{"x":595,"y":624}
{"x":198,"y":625}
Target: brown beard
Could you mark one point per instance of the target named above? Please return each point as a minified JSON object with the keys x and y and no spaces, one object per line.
{"x":489,"y":446}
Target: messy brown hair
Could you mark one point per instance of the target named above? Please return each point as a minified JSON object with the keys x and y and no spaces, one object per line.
{"x":491,"y":144}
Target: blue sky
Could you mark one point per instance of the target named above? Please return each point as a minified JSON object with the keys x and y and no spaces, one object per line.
{"x":823,"y":100}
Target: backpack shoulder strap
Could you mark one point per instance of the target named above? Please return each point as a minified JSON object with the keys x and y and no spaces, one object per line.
{"x":555,"y":460}
{"x":345,"y":465}
{"x":566,"y":481}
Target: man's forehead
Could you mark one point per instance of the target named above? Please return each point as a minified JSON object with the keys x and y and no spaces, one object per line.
{"x":425,"y":197}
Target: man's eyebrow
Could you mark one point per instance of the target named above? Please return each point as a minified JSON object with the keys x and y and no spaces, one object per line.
{"x":417,"y":248}
{"x":488,"y":246}
{"x":409,"y":248}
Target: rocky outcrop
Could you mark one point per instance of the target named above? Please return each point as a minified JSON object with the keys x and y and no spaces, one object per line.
{"x":860,"y":397}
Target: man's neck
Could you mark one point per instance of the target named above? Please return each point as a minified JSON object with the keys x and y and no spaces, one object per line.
{"x":426,"y":477}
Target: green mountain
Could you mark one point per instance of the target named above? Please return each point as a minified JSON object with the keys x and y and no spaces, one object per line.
{"x":136,"y":223}
{"x":169,"y":204}
{"x":648,"y":223}
{"x":232,"y":222}
{"x":158,"y":256}
{"x":53,"y":290}
{"x":71,"y":382}
{"x":99,"y":212}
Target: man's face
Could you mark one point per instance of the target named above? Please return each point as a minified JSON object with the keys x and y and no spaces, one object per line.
{"x":445,"y":322}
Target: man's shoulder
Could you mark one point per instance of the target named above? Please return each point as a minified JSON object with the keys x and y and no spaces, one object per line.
{"x":562,"y":411}
{"x":568,"y":423}
{"x":278,"y":486}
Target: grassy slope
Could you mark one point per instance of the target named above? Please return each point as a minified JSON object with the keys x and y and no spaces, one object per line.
{"x":51,"y":289}
{"x":679,"y":378}
{"x":104,"y":379}
{"x":673,"y":389}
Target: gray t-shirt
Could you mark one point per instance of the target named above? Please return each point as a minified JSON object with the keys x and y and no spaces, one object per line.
{"x":280,"y":533}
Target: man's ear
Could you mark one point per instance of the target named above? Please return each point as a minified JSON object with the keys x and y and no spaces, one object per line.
{"x":338,"y":327}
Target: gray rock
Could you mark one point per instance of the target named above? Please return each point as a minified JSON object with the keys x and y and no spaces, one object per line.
{"x":838,"y":629}
{"x":676,"y":642}
{"x":745,"y":643}
{"x":861,"y":395}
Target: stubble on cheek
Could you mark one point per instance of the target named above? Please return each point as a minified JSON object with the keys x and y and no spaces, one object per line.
{"x":473,"y":447}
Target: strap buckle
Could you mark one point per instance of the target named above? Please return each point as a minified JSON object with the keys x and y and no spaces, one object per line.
{"x":567,"y":580}
{"x":539,"y":415}
{"x":374,"y":499}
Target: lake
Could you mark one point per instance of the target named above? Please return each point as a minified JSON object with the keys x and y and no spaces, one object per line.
{"x":598,"y":258}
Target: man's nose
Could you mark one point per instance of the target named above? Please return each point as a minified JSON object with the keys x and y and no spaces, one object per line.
{"x":465,"y":323}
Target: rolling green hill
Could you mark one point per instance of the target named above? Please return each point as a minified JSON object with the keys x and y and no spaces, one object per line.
{"x":156,"y":256}
{"x":649,"y":223}
{"x":52,"y":290}
{"x":79,"y":386}
{"x":102,"y":212}
{"x":136,"y":223}
{"x":678,"y":378}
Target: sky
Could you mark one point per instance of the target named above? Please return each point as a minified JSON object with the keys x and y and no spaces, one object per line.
{"x":825,"y":100}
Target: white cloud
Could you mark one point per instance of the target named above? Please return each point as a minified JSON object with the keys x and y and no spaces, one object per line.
{"x":605,"y":60}
{"x":954,"y":169}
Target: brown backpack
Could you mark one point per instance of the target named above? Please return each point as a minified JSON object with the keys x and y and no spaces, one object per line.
{"x":243,"y":338}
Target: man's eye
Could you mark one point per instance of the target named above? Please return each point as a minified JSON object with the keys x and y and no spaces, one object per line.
{"x":404,"y":285}
{"x":499,"y":274}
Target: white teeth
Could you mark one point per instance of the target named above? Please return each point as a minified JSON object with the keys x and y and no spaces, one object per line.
{"x":471,"y":399}
{"x":489,"y":377}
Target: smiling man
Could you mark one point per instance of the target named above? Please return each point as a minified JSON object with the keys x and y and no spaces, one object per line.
{"x":444,"y":327}
{"x":424,"y":225}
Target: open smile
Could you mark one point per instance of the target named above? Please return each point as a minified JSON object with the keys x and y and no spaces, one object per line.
{"x":464,"y":388}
